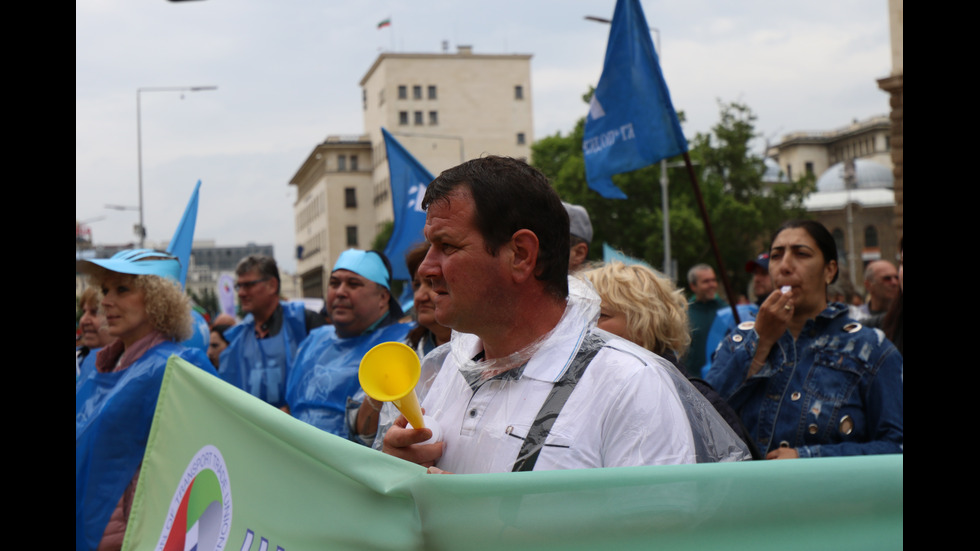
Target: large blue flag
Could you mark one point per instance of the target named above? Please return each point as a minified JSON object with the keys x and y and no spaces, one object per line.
{"x":631,"y":122}
{"x":408,"y":181}
{"x":183,"y":239}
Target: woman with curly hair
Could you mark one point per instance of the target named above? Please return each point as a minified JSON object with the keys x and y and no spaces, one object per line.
{"x":643,"y":307}
{"x":147,"y":314}
{"x":646,"y":308}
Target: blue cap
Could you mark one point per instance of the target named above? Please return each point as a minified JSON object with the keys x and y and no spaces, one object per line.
{"x":136,"y":262}
{"x":367,"y":264}
{"x":761,"y":261}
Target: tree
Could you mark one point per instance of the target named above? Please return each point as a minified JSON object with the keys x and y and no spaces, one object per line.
{"x":743,"y":210}
{"x":208,"y":300}
{"x":379,"y":244}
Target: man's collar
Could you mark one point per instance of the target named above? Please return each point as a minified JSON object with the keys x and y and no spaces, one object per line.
{"x":271,"y":326}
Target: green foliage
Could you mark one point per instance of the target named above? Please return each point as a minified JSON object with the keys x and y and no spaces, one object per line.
{"x":381,"y":240}
{"x":208,"y":300}
{"x":742,"y":209}
{"x":379,"y":244}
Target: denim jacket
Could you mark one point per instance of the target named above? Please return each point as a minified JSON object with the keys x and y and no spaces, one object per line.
{"x":836,"y":390}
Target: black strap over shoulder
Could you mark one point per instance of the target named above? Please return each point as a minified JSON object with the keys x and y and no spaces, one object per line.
{"x":554,"y":403}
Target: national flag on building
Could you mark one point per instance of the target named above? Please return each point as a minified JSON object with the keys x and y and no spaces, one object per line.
{"x":384,"y":23}
{"x":631,"y":122}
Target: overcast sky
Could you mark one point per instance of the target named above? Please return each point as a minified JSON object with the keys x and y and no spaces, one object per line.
{"x":287,"y":74}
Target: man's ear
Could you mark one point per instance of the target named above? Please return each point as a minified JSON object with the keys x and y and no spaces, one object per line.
{"x":524,"y":246}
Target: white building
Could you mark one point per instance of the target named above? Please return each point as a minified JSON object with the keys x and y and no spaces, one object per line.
{"x":443,"y":108}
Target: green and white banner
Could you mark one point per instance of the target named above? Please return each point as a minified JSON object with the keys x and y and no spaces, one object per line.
{"x":224,"y":470}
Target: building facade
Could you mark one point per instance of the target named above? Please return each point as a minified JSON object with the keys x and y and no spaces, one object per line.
{"x":444,"y":108}
{"x":812,"y":153}
{"x":894,"y":84}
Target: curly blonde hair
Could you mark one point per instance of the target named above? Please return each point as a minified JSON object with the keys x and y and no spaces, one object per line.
{"x":168,"y":308}
{"x":655,"y":309}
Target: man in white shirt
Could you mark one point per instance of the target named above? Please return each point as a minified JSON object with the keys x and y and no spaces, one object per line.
{"x":528,"y":382}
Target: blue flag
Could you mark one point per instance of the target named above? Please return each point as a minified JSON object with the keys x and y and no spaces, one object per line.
{"x":408,"y":181}
{"x":631,"y":122}
{"x":183,"y":239}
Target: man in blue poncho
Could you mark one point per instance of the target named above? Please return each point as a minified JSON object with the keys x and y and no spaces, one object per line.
{"x":322,"y":385}
{"x":261,"y":348}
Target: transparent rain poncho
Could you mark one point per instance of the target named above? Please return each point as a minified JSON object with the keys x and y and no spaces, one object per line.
{"x":629,"y":406}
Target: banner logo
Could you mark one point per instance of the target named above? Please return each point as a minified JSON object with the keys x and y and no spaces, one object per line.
{"x":200,"y":511}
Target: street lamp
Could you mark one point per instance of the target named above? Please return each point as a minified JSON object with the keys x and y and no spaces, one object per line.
{"x":141,"y":230}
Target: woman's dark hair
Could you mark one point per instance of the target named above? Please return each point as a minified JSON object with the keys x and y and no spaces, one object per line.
{"x":220,"y":330}
{"x":816,"y":230}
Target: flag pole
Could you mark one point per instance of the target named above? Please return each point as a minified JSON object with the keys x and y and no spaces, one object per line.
{"x":711,"y":238}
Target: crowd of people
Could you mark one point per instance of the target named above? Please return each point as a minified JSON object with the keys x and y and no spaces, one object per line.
{"x":532,"y":357}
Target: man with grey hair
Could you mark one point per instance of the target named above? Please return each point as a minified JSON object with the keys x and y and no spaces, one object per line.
{"x":262,"y":347}
{"x":881,"y":283}
{"x":701,"y":310}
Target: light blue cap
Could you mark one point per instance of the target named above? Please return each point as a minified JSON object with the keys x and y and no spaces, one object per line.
{"x":136,"y":262}
{"x":367,"y":264}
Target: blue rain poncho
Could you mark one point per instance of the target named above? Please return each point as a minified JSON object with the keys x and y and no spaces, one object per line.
{"x":260,"y":366}
{"x":324,"y":375}
{"x":113,"y":413}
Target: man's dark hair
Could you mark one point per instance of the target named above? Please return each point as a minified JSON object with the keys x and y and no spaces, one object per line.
{"x":264,"y":265}
{"x":511,"y":195}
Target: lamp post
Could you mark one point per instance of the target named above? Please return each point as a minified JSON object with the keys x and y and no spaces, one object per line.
{"x":141,"y":229}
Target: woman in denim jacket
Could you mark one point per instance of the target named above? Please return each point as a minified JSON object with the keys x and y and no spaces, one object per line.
{"x":807,"y":380}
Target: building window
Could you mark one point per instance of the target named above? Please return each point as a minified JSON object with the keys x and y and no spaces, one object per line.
{"x":520,"y":138}
{"x":518,"y":92}
{"x":418,"y":118}
{"x":351,"y":236}
{"x":808,"y":166}
{"x":341,"y":163}
{"x":381,"y":97}
{"x":403,"y":118}
{"x":870,"y":237}
{"x":789,"y":172}
{"x":432,"y":92}
{"x":364,"y":99}
{"x":416,"y":92}
{"x":353,"y":163}
{"x":402,"y":92}
{"x":350,"y":197}
{"x":433,"y":118}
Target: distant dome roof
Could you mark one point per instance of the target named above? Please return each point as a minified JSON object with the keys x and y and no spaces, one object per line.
{"x":773,"y":173}
{"x":868,"y":175}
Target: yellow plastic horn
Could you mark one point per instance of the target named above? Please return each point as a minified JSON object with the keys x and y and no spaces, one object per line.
{"x":389,"y":373}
